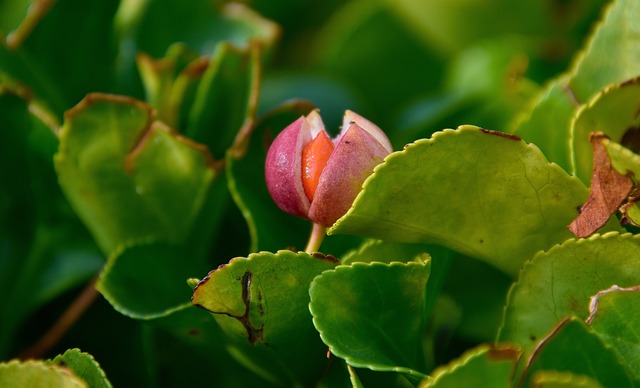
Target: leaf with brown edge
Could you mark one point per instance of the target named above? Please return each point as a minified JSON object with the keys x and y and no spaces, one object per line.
{"x":608,"y":189}
{"x":261,"y":303}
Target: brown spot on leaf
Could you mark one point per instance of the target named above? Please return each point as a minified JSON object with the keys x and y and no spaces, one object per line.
{"x":608,"y":189}
{"x":329,"y":258}
{"x":509,"y":136}
{"x":254,"y":334}
{"x":500,"y":353}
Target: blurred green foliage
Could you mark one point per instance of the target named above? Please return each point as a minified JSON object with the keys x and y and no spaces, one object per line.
{"x":133,"y":135}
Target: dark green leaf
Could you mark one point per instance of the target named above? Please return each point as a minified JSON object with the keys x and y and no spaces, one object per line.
{"x":613,"y":316}
{"x":485,"y":366}
{"x":350,"y":46}
{"x":68,"y":53}
{"x":226,"y":99}
{"x":572,"y":347}
{"x":371,"y":314}
{"x":261,"y":303}
{"x":149,"y":280}
{"x":44,"y":249}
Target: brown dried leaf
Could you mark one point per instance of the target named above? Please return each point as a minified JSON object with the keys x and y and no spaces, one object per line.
{"x":608,"y":189}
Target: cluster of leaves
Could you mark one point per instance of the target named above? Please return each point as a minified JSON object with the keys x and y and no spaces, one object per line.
{"x":133,"y":138}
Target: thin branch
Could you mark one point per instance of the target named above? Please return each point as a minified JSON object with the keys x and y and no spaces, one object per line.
{"x":70,"y":316}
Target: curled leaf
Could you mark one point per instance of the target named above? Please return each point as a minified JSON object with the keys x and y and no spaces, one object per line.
{"x":608,"y":190}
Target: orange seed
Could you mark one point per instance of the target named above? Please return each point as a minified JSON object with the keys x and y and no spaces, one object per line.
{"x":314,"y":158}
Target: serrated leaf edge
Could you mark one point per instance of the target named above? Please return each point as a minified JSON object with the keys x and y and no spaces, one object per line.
{"x":411,"y":373}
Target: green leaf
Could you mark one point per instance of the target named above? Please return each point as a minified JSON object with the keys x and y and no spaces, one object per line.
{"x":371,"y":314}
{"x":482,"y":193}
{"x":147,"y":281}
{"x":261,"y":303}
{"x":479,"y":290}
{"x":558,"y":283}
{"x":43,"y":53}
{"x":200,"y":25}
{"x":387,"y":252}
{"x":11,"y":14}
{"x":345,"y":49}
{"x":128,"y":177}
{"x":547,"y":124}
{"x":171,"y":81}
{"x":613,"y":112}
{"x":555,"y":379}
{"x":449,"y":27}
{"x":37,"y":374}
{"x":486,"y":366}
{"x":226,"y":99}
{"x":572,"y":347}
{"x":593,"y":71}
{"x":384,"y":251}
{"x":45,"y":249}
{"x":84,"y":366}
{"x":623,"y":159}
{"x":613,"y":316}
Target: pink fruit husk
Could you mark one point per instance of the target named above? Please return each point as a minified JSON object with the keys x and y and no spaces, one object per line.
{"x":283,"y":166}
{"x":352,"y":161}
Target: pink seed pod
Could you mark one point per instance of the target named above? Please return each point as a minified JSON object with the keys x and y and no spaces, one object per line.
{"x":291,"y":176}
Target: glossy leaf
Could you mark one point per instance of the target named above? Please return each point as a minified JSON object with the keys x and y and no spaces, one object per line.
{"x":37,"y":374}
{"x":482,"y":193}
{"x":572,"y":347}
{"x":84,"y":366}
{"x":370,"y":314}
{"x":226,"y":98}
{"x":486,"y":366}
{"x":261,"y":303}
{"x":384,"y":251}
{"x":147,"y":281}
{"x":613,"y":314}
{"x":547,"y":124}
{"x":612,"y":112}
{"x":558,"y":283}
{"x":130,"y":178}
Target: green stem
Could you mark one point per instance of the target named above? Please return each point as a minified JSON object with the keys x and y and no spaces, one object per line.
{"x":315,"y":238}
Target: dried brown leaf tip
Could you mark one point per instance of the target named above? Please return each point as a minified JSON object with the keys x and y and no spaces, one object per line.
{"x":608,"y":190}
